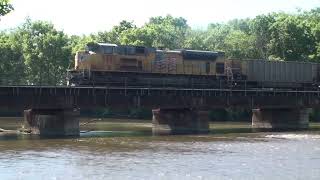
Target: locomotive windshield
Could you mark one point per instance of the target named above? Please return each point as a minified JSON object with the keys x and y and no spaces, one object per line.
{"x":103,"y":48}
{"x":93,"y":47}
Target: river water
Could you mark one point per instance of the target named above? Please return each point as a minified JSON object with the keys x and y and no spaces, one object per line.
{"x":136,"y":154}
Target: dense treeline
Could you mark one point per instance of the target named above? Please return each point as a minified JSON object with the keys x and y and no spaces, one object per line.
{"x":37,"y":53}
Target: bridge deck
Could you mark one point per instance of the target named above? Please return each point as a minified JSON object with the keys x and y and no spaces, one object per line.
{"x":98,"y":96}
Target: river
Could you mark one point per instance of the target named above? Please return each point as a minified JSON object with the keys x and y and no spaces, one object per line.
{"x":127,"y":150}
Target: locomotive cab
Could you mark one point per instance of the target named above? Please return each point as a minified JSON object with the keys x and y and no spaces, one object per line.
{"x":95,"y":57}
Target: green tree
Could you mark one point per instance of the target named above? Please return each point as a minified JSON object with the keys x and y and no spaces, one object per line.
{"x":5,"y":7}
{"x":167,"y":32}
{"x":260,"y":27}
{"x":312,"y":18}
{"x":45,"y":51}
{"x":12,"y":70}
{"x":137,"y":36}
{"x":114,"y":35}
{"x":195,"y":39}
{"x":216,"y":37}
{"x":291,"y":38}
{"x":162,"y":32}
{"x":241,"y":25}
{"x":240,"y":45}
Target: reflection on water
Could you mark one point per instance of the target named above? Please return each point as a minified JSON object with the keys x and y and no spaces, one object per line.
{"x":129,"y":153}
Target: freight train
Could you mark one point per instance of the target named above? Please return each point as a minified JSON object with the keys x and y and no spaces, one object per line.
{"x":104,"y":64}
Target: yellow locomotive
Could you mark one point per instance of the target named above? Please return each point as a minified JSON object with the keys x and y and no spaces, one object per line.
{"x":104,"y":64}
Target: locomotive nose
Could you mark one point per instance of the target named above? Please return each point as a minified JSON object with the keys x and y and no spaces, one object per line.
{"x":80,"y":57}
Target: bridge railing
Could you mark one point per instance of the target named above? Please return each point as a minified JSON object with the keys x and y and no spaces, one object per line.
{"x":8,"y":81}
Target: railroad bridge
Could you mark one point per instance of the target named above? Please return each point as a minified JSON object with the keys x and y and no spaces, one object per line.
{"x":52,"y":110}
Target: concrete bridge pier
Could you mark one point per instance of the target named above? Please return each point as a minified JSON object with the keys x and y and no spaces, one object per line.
{"x":281,"y":119}
{"x":52,"y":122}
{"x":179,"y":121}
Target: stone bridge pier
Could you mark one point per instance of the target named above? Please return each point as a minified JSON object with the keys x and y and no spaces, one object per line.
{"x":179,"y":121}
{"x":281,"y":119}
{"x":52,"y":122}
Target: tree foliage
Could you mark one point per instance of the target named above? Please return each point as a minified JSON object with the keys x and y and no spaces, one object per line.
{"x":37,"y":53}
{"x":161,"y":32}
{"x":11,"y":61}
{"x":5,"y":7}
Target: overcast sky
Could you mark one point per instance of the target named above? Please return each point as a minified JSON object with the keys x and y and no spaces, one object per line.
{"x":88,"y":16}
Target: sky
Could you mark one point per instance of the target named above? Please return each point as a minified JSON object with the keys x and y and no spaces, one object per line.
{"x":90,"y":16}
